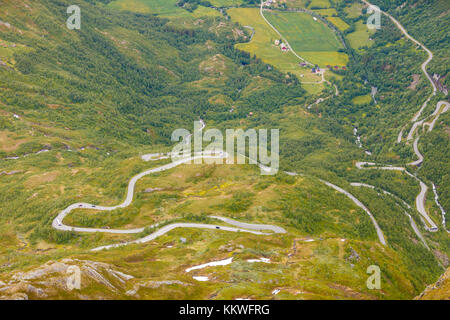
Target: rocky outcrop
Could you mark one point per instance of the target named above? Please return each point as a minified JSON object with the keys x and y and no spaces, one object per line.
{"x":438,"y":291}
{"x":68,"y":278}
{"x":97,"y":281}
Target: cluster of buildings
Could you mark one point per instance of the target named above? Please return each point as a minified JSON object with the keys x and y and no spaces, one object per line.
{"x":282,"y":45}
{"x":268,"y":3}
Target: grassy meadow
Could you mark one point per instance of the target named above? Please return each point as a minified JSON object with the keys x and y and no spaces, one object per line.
{"x":262,"y":45}
{"x":311,"y":39}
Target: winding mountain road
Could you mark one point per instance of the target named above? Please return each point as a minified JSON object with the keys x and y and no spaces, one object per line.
{"x":256,"y":228}
{"x":421,"y":197}
{"x":243,"y":227}
{"x":362,"y":206}
{"x":411,"y":220}
{"x":172,"y":226}
{"x":58,"y":221}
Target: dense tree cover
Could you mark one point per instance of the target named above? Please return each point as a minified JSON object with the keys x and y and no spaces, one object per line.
{"x":191,"y":5}
{"x":436,"y":168}
{"x":388,"y":65}
{"x":145,"y":95}
{"x":427,"y":21}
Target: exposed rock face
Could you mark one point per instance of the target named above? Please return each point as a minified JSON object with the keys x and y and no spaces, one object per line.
{"x":438,"y":291}
{"x":55,"y":279}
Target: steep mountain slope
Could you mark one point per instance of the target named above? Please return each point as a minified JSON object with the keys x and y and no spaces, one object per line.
{"x":79,"y":107}
{"x":438,"y":291}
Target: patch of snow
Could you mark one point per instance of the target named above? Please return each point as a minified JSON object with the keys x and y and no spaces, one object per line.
{"x":211,"y":264}
{"x":200,"y":278}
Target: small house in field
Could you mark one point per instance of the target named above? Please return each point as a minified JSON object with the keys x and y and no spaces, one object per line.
{"x":344,"y":68}
{"x":277,"y":42}
{"x":313,"y":70}
{"x":283,"y":47}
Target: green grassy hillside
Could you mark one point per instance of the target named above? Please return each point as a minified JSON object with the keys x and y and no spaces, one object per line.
{"x":79,"y":107}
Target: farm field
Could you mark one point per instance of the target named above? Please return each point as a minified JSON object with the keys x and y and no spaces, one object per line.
{"x":311,"y":39}
{"x":295,"y":3}
{"x":326,"y":12}
{"x":339,"y":23}
{"x":322,"y":4}
{"x":354,"y":11}
{"x":262,"y":45}
{"x":360,"y":37}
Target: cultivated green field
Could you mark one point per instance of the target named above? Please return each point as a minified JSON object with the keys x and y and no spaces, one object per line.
{"x":339,"y":23}
{"x":311,"y":39}
{"x":319,"y":4}
{"x":326,"y":12}
{"x":360,"y":37}
{"x":262,"y":45}
{"x":354,"y":11}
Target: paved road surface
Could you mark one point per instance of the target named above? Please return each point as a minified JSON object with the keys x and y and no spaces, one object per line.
{"x":170,"y":227}
{"x":362,"y":206}
{"x":411,"y":220}
{"x":59,"y":225}
{"x":251,"y":226}
{"x":420,"y":199}
{"x":58,"y":221}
